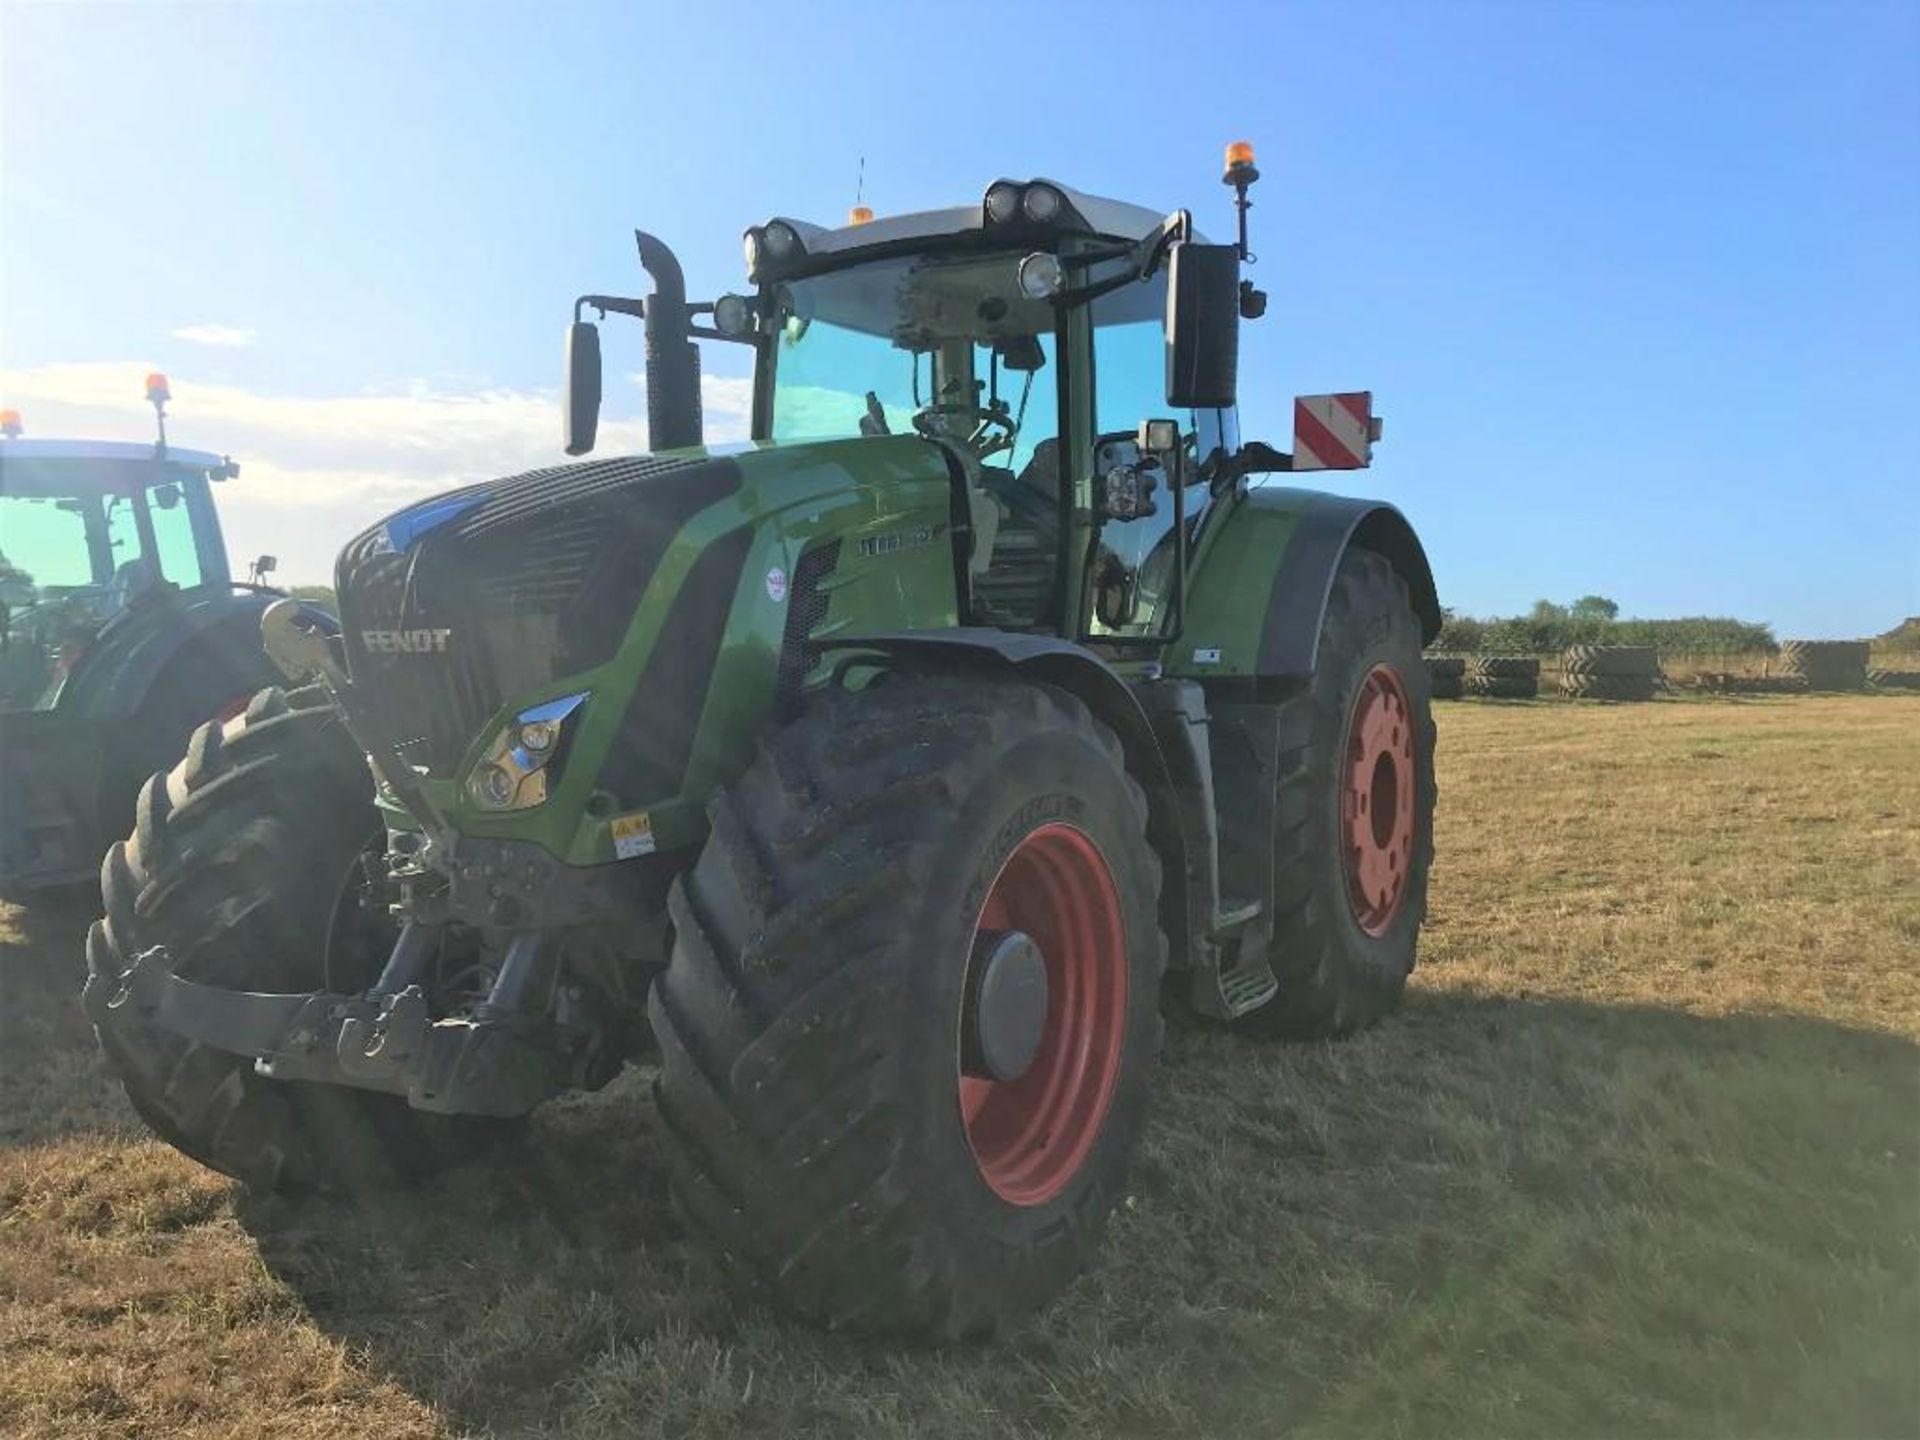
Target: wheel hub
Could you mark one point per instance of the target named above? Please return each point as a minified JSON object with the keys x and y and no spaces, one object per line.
{"x":1007,"y":1011}
{"x":1376,"y":800}
{"x":1043,"y":1028}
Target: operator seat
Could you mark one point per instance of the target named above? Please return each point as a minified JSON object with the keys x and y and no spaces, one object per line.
{"x":1018,"y":587}
{"x":134,"y":579}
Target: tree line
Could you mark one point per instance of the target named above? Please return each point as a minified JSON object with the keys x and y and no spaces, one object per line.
{"x":1595,"y":620}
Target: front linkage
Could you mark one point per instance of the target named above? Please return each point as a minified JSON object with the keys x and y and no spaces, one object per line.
{"x":519,"y":1046}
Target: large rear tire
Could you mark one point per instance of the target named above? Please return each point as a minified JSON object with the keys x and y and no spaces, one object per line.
{"x":1354,"y":815}
{"x":831,"y":1119}
{"x":240,"y":863}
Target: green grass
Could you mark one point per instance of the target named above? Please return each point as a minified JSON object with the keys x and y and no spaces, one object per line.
{"x":1641,"y":1156}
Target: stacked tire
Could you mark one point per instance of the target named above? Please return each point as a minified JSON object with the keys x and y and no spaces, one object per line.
{"x":1503,"y":677}
{"x":1609,"y":672}
{"x":1825,"y":664}
{"x":1446,"y":676}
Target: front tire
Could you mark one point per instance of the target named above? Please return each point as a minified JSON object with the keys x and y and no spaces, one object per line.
{"x":237,"y":864}
{"x":1354,"y":814}
{"x":831,"y":1119}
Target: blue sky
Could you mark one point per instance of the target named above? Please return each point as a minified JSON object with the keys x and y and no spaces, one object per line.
{"x":1635,"y":285}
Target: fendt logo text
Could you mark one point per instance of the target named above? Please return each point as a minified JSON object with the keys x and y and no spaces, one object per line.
{"x":405,"y":642}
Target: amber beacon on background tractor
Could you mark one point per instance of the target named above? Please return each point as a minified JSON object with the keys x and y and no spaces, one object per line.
{"x":876,"y":778}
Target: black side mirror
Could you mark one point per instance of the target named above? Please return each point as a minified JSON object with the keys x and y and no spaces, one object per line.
{"x":1203,"y":326}
{"x":582,"y":420}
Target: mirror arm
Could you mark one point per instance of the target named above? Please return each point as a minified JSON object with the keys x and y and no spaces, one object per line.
{"x":1255,"y":457}
{"x":1086,"y":293}
{"x":707,"y":332}
{"x":614,"y":303}
{"x":1152,"y":248}
{"x":1145,"y":255}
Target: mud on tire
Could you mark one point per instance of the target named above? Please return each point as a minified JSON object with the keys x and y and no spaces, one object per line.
{"x":809,"y":1021}
{"x":1335,"y":976}
{"x":237,"y":864}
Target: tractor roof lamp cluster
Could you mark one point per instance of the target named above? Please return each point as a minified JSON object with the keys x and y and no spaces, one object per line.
{"x":1007,"y":202}
{"x":772,"y":246}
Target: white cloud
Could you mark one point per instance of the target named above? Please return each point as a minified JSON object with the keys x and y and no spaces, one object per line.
{"x":315,"y":470}
{"x":225,"y":337}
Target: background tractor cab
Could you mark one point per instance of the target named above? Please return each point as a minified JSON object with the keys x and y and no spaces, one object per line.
{"x":1078,"y":356}
{"x":120,"y":628}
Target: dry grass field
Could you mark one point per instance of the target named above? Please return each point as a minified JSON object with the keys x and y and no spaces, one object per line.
{"x":1641,"y":1156}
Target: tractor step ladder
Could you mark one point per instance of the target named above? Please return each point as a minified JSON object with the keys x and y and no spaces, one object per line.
{"x":1223,"y":927}
{"x":1228,"y":992}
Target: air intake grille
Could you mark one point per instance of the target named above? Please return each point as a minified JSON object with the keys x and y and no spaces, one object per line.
{"x":536,"y":581}
{"x":806,"y":608}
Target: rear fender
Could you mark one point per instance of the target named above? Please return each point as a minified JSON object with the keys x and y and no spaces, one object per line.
{"x":1284,"y":546}
{"x":127,"y":661}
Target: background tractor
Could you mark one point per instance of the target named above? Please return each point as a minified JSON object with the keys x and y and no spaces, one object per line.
{"x":121,"y":629}
{"x":884,"y":773}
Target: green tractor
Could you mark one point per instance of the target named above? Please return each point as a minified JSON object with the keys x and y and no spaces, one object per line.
{"x":879,"y":778}
{"x":121,"y":630}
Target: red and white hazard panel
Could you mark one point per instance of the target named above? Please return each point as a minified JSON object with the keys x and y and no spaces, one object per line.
{"x":1334,"y":432}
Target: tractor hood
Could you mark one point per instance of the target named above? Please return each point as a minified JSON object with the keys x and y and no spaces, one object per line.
{"x":501,"y":590}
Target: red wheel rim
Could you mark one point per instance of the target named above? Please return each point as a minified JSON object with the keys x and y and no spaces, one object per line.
{"x":1376,"y":799}
{"x":1030,"y":1136}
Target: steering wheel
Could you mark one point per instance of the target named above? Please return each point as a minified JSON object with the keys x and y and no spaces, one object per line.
{"x":986,"y":421}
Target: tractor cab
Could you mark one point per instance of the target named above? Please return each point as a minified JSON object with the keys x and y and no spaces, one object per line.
{"x":121,"y":628}
{"x":960,"y":339}
{"x":1075,"y":356}
{"x":90,"y":529}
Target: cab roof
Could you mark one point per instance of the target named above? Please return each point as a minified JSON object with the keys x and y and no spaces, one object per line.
{"x":1112,"y":219}
{"x":108,"y":462}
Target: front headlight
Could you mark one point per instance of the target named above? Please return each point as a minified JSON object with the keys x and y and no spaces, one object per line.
{"x":526,"y":756}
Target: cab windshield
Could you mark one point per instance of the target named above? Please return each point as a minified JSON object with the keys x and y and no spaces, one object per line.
{"x":943,"y":345}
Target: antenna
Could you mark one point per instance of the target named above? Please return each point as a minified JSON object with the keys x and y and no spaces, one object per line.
{"x":860,"y":185}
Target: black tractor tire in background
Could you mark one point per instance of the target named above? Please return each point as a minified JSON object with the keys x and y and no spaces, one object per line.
{"x":201,"y":682}
{"x":1576,"y":686}
{"x":1503,"y":677}
{"x":1629,"y":660}
{"x":1446,"y":676}
{"x":811,"y":1020}
{"x":1342,"y":958}
{"x":1839,"y":665}
{"x":240,"y":864}
{"x":1504,"y":667}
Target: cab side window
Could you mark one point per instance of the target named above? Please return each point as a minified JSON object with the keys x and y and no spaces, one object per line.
{"x":173,"y":532}
{"x":176,"y":558}
{"x":1134,"y":567}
